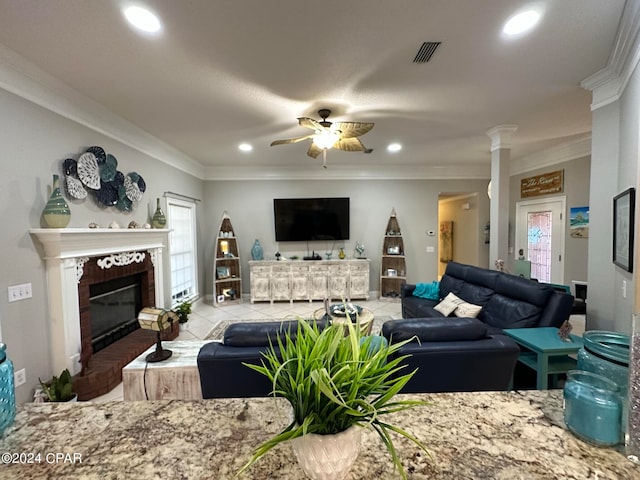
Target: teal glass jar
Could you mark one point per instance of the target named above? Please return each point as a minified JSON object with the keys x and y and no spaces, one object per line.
{"x":7,"y":390}
{"x":593,"y":408}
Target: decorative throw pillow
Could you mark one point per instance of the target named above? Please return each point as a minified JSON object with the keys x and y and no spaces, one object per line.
{"x":466,"y":309}
{"x":448,"y":305}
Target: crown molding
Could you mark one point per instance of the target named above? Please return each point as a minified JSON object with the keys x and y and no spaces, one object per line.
{"x":26,"y":80}
{"x":552,"y":156}
{"x":609,"y":83}
{"x":500,"y":136}
{"x":343,"y":172}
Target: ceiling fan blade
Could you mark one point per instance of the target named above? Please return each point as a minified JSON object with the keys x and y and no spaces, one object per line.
{"x":290,"y":140}
{"x":310,"y":123}
{"x":352,"y":129}
{"x":314,"y":150}
{"x":352,"y":144}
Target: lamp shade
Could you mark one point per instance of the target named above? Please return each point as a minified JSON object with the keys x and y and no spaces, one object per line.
{"x":156,"y":319}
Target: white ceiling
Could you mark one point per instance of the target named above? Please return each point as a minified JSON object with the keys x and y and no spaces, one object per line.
{"x":226,"y":72}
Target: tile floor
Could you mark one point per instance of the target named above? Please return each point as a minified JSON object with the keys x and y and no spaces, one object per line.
{"x":205,"y":316}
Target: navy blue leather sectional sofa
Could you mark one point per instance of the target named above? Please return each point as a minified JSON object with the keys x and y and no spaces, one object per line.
{"x":469,"y":354}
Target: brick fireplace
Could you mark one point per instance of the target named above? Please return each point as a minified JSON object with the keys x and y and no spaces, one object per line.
{"x":78,"y":259}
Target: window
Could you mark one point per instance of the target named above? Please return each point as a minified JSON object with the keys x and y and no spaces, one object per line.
{"x":181,"y":218}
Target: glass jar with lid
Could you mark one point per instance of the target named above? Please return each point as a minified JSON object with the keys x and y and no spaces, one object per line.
{"x":7,"y":390}
{"x":593,"y":408}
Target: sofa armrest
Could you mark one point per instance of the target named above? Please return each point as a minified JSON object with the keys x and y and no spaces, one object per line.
{"x":442,"y":329}
{"x":407,"y":290}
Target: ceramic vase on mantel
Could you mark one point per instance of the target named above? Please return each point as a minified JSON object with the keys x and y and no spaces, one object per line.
{"x":159,"y":220}
{"x":56,"y":212}
{"x":328,"y":457}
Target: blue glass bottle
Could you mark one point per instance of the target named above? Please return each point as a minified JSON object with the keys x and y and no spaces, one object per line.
{"x":7,"y":390}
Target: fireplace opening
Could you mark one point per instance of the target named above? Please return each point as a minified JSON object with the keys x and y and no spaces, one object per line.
{"x":114,"y":307}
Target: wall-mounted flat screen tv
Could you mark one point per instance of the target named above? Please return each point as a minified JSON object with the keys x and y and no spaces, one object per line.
{"x":305,"y":219}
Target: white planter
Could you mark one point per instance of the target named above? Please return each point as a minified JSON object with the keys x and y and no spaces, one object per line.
{"x":328,"y":457}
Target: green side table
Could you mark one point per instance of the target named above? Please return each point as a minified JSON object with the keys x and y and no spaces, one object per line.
{"x":544,"y":351}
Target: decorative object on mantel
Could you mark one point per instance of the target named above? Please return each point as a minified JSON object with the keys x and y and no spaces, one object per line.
{"x":56,"y":212}
{"x":157,"y":319}
{"x":114,"y":224}
{"x":159,"y":220}
{"x":7,"y":390}
{"x":256,"y":251}
{"x":347,"y":381}
{"x":97,"y":171}
{"x":94,"y":225}
{"x":133,"y":224}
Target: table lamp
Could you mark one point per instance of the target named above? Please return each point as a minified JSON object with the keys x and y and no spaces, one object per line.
{"x":157,"y":319}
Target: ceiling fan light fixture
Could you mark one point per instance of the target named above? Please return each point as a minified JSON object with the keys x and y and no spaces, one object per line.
{"x":245,"y":147}
{"x":326,"y":139}
{"x":394,"y":147}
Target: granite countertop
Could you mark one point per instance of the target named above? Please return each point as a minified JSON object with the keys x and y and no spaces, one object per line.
{"x":506,"y":435}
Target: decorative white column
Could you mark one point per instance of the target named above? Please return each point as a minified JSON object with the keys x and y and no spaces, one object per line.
{"x":499,"y":211}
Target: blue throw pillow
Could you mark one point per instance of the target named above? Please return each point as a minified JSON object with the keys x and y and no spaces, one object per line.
{"x":430,"y":291}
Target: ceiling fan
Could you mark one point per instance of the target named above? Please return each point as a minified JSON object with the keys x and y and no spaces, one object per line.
{"x":326,"y":135}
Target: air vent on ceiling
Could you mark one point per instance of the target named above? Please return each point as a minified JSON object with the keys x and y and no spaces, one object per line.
{"x":426,"y":51}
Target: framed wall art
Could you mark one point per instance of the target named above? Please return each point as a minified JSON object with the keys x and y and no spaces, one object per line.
{"x":623,"y":225}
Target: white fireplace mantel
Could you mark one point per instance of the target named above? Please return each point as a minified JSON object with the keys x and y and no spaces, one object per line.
{"x":65,"y":251}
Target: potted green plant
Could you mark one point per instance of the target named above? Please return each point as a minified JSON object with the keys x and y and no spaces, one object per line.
{"x":58,"y":389}
{"x":336,"y":380}
{"x":183,"y":310}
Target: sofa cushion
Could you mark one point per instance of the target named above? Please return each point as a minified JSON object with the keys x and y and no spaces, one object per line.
{"x":468,"y":310}
{"x":259,"y":334}
{"x":448,"y":304}
{"x":434,"y":329}
{"x":504,"y":312}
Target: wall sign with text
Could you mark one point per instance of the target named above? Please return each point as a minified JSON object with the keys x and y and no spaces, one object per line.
{"x":545,"y":184}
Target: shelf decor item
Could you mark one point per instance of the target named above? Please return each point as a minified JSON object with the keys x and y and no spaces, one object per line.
{"x":337,"y":381}
{"x":7,"y":390}
{"x":159,"y":220}
{"x":56,"y":212}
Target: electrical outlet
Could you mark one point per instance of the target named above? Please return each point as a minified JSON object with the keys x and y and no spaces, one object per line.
{"x":20,"y":377}
{"x":19,"y":292}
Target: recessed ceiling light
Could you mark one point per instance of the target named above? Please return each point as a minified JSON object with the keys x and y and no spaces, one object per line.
{"x":142,"y":19}
{"x":521,"y":22}
{"x":245,"y":147}
{"x":394,"y":147}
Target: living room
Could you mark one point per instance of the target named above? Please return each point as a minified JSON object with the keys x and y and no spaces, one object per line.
{"x":42,"y":128}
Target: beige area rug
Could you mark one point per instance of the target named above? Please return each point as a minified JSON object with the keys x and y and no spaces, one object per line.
{"x":217,"y":332}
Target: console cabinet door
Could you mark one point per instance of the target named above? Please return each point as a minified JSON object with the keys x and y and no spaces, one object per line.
{"x":280,"y":283}
{"x":318,"y":282}
{"x":359,"y":282}
{"x":338,"y":282}
{"x":299,"y":282}
{"x":259,"y":284}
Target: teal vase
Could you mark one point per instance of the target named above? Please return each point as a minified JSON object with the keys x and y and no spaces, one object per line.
{"x":56,"y":212}
{"x":158,"y":220}
{"x":256,"y":251}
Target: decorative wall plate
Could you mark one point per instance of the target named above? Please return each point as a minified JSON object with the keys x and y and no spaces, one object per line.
{"x":75,"y":188}
{"x":99,"y":153}
{"x":88,"y":170}
{"x":108,"y":169}
{"x":107,"y":195}
{"x":70,"y":166}
{"x":134,"y":186}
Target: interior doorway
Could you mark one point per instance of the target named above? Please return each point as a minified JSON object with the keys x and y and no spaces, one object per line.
{"x":458,"y":229}
{"x":540,"y":230}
